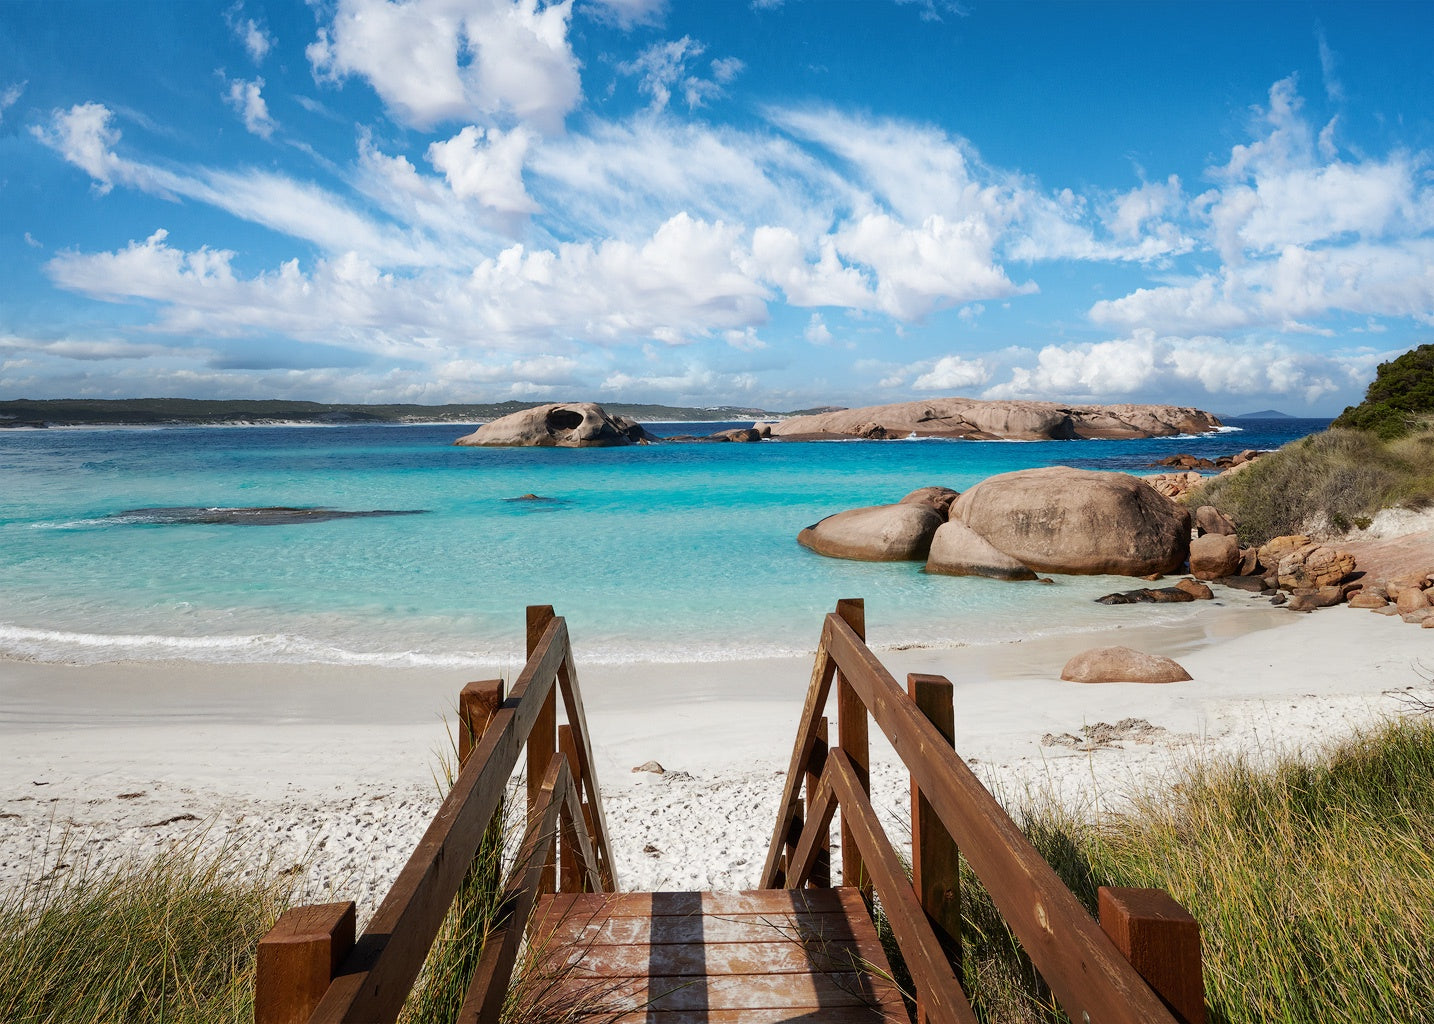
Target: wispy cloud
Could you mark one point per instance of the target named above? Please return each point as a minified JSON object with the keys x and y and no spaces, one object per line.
{"x":255,"y":38}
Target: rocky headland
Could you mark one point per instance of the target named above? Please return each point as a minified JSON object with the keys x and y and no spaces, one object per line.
{"x":979,"y":420}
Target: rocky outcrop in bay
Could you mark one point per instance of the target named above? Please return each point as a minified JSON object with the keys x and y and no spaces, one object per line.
{"x":976,"y":419}
{"x":559,"y":425}
{"x":878,"y":533}
{"x":1015,"y":525}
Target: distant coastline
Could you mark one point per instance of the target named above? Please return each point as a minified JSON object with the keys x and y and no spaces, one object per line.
{"x":159,"y":412}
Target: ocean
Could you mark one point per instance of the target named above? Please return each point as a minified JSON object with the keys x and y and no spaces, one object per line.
{"x":666,"y":553}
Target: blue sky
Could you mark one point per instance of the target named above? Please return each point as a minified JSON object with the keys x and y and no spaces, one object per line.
{"x":776,"y":203}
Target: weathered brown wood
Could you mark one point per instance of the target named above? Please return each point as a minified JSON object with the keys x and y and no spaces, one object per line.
{"x":823,"y":672}
{"x":570,"y":872}
{"x":1162,"y":941}
{"x":936,"y":982}
{"x":487,"y":989}
{"x":478,"y":705}
{"x":585,"y":855}
{"x":852,"y":727}
{"x":1079,"y":962}
{"x":377,"y":974}
{"x":768,"y":955}
{"x":819,"y":1015}
{"x":762,"y":915}
{"x":543,"y":740}
{"x":297,"y":960}
{"x":715,"y":959}
{"x":935,"y":861}
{"x":478,"y":702}
{"x":816,"y":836}
{"x":584,"y":765}
{"x":811,"y":993}
{"x":820,"y":874}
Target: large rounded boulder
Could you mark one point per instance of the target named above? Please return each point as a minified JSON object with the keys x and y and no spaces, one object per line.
{"x":958,"y":550}
{"x":880,"y":533}
{"x":559,"y":425}
{"x":1078,"y":521}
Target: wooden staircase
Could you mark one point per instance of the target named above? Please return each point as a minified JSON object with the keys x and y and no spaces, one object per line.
{"x":796,"y":950}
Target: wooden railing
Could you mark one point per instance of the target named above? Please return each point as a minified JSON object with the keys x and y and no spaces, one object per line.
{"x":1139,"y":965}
{"x":309,"y":966}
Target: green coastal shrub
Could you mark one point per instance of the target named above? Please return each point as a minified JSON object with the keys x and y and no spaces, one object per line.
{"x":1335,"y":480}
{"x":1399,"y":399}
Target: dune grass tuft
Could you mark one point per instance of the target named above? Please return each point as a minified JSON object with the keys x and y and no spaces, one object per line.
{"x":1312,"y":880}
{"x":170,"y":939}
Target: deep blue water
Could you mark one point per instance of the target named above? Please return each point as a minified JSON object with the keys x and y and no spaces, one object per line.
{"x":660,"y":552}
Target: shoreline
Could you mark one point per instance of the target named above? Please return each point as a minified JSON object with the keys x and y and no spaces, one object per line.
{"x":335,"y":766}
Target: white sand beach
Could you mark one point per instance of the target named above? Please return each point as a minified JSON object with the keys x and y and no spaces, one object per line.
{"x":334,"y":768}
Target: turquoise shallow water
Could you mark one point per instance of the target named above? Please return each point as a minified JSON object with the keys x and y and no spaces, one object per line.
{"x":654,"y":553}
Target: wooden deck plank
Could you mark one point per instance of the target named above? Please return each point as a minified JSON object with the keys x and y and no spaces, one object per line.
{"x":722,"y":958}
{"x":745,"y":992}
{"x":807,"y":955}
{"x":684,"y":904}
{"x":789,"y":1015}
{"x":665,"y":930}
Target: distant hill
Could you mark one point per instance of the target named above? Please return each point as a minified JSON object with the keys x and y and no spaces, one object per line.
{"x":1263,"y":414}
{"x":198,"y":412}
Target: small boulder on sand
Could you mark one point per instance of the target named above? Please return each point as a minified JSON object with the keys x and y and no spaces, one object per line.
{"x":1196,"y":589}
{"x":1314,"y":566}
{"x":1122,"y":665}
{"x":1213,"y":555}
{"x":1369,"y":597}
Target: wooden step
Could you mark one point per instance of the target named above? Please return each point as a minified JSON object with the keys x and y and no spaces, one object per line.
{"x":808,"y":955}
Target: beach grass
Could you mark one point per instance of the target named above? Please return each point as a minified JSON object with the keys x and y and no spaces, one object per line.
{"x":1312,"y":879}
{"x":169,"y":939}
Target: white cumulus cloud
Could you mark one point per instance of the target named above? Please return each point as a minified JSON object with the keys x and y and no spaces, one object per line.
{"x":486,"y":165}
{"x":434,"y":61}
{"x":953,"y":373}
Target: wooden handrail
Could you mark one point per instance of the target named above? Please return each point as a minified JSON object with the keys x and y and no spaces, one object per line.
{"x":489,"y":986}
{"x":1084,"y":968}
{"x":378,"y":972}
{"x":926,"y":959}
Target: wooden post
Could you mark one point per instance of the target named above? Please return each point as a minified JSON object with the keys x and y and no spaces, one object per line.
{"x":298,"y":959}
{"x":935,"y":861}
{"x":821,"y":876}
{"x":1162,"y":942}
{"x":852,"y":738}
{"x":571,"y":875}
{"x":543,"y":740}
{"x":477,"y":704}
